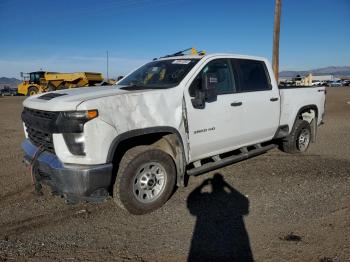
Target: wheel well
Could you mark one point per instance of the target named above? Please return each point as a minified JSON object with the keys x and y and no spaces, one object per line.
{"x":127,"y":143}
{"x":307,"y":109}
{"x":33,"y":87}
{"x":167,"y":141}
{"x":309,"y":114}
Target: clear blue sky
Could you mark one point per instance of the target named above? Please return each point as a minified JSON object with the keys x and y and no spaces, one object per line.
{"x":73,"y":35}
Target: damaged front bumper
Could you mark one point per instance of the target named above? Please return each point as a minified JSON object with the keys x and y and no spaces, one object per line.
{"x":74,"y":182}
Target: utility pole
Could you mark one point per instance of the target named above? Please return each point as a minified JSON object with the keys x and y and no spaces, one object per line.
{"x":276,"y":38}
{"x":107,"y":65}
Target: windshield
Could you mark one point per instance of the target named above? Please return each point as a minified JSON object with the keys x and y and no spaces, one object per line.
{"x":159,"y":74}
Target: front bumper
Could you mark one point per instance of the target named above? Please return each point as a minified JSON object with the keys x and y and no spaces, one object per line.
{"x":74,"y":182}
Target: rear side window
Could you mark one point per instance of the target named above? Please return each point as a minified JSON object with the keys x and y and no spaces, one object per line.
{"x":252,"y":74}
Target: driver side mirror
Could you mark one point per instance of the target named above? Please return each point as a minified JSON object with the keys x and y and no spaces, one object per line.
{"x":207,"y":92}
{"x":119,"y":78}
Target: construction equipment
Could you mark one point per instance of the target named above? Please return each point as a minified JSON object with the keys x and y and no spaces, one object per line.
{"x":191,"y":51}
{"x":41,"y":81}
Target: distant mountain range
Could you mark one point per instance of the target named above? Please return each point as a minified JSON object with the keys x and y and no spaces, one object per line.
{"x":12,"y":82}
{"x":337,"y":71}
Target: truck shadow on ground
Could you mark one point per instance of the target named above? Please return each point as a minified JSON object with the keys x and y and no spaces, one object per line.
{"x":220,"y":233}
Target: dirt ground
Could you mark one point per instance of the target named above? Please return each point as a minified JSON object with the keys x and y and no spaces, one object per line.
{"x":275,"y":207}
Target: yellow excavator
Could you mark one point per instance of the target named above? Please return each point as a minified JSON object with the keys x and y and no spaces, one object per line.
{"x":41,"y":81}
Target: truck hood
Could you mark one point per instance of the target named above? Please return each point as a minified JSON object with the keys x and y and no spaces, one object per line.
{"x":69,"y":99}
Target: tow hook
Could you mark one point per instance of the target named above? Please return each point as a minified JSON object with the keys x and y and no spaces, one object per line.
{"x":33,"y":169}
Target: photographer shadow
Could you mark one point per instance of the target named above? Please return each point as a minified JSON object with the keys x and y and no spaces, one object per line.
{"x":220,"y":233}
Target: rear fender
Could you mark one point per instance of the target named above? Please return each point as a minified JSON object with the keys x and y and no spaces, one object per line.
{"x":309,"y":113}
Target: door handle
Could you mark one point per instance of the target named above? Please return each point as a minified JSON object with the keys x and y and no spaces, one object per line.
{"x":236,"y":104}
{"x":273,"y":99}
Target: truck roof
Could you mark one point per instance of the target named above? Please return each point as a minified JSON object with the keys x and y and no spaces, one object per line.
{"x":229,"y":55}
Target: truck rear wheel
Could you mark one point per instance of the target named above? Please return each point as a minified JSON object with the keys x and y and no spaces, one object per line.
{"x":299,"y":139}
{"x":32,"y":91}
{"x":145,"y":180}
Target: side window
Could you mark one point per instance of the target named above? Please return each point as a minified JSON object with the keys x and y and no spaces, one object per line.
{"x":253,"y":75}
{"x":221,"y":68}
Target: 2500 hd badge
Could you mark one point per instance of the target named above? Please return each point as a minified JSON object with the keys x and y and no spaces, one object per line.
{"x":204,"y":130}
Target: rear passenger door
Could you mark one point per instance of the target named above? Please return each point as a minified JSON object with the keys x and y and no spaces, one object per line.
{"x":256,"y":105}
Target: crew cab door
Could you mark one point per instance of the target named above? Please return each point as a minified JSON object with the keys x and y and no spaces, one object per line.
{"x":210,"y":129}
{"x":256,"y":118}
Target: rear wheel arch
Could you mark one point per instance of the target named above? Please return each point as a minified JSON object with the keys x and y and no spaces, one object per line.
{"x":304,"y":109}
{"x":313,"y":121}
{"x":306,"y":118}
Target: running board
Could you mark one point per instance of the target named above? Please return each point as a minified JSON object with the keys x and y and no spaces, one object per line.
{"x":229,"y":160}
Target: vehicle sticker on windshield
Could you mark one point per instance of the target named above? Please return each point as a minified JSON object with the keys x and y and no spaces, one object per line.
{"x":181,"y":62}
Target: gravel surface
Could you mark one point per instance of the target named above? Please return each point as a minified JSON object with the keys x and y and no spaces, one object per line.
{"x":274,"y":207}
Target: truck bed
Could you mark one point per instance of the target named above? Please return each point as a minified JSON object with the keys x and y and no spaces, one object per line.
{"x":295,"y":97}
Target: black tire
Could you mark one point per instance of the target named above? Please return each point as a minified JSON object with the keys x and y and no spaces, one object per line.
{"x":292,"y":144}
{"x":131,"y":177}
{"x":32,"y":91}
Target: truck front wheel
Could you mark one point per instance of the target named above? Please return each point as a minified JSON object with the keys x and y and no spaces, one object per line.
{"x":145,"y":180}
{"x":299,"y":139}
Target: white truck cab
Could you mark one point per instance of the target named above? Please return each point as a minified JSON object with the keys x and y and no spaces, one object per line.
{"x":174,"y":116}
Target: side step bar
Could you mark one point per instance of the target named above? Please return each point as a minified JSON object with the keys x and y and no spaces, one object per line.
{"x":229,"y":160}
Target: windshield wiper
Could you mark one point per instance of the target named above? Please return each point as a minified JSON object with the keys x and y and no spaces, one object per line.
{"x":134,"y":85}
{"x":138,"y":85}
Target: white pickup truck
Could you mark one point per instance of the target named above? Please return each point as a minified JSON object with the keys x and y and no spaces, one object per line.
{"x":175,"y":116}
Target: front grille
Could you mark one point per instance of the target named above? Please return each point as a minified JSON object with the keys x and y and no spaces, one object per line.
{"x":38,"y":125}
{"x":40,"y":113}
{"x":41,"y":139}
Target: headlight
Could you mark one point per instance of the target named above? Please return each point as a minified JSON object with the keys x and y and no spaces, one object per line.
{"x":82,"y":115}
{"x":73,"y":121}
{"x":71,"y":124}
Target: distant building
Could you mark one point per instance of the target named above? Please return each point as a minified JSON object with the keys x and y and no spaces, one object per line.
{"x":285,"y":79}
{"x":323,"y":78}
{"x":307,"y":79}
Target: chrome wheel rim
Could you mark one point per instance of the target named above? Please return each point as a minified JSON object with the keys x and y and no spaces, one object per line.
{"x":149,"y":182}
{"x":304,"y":139}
